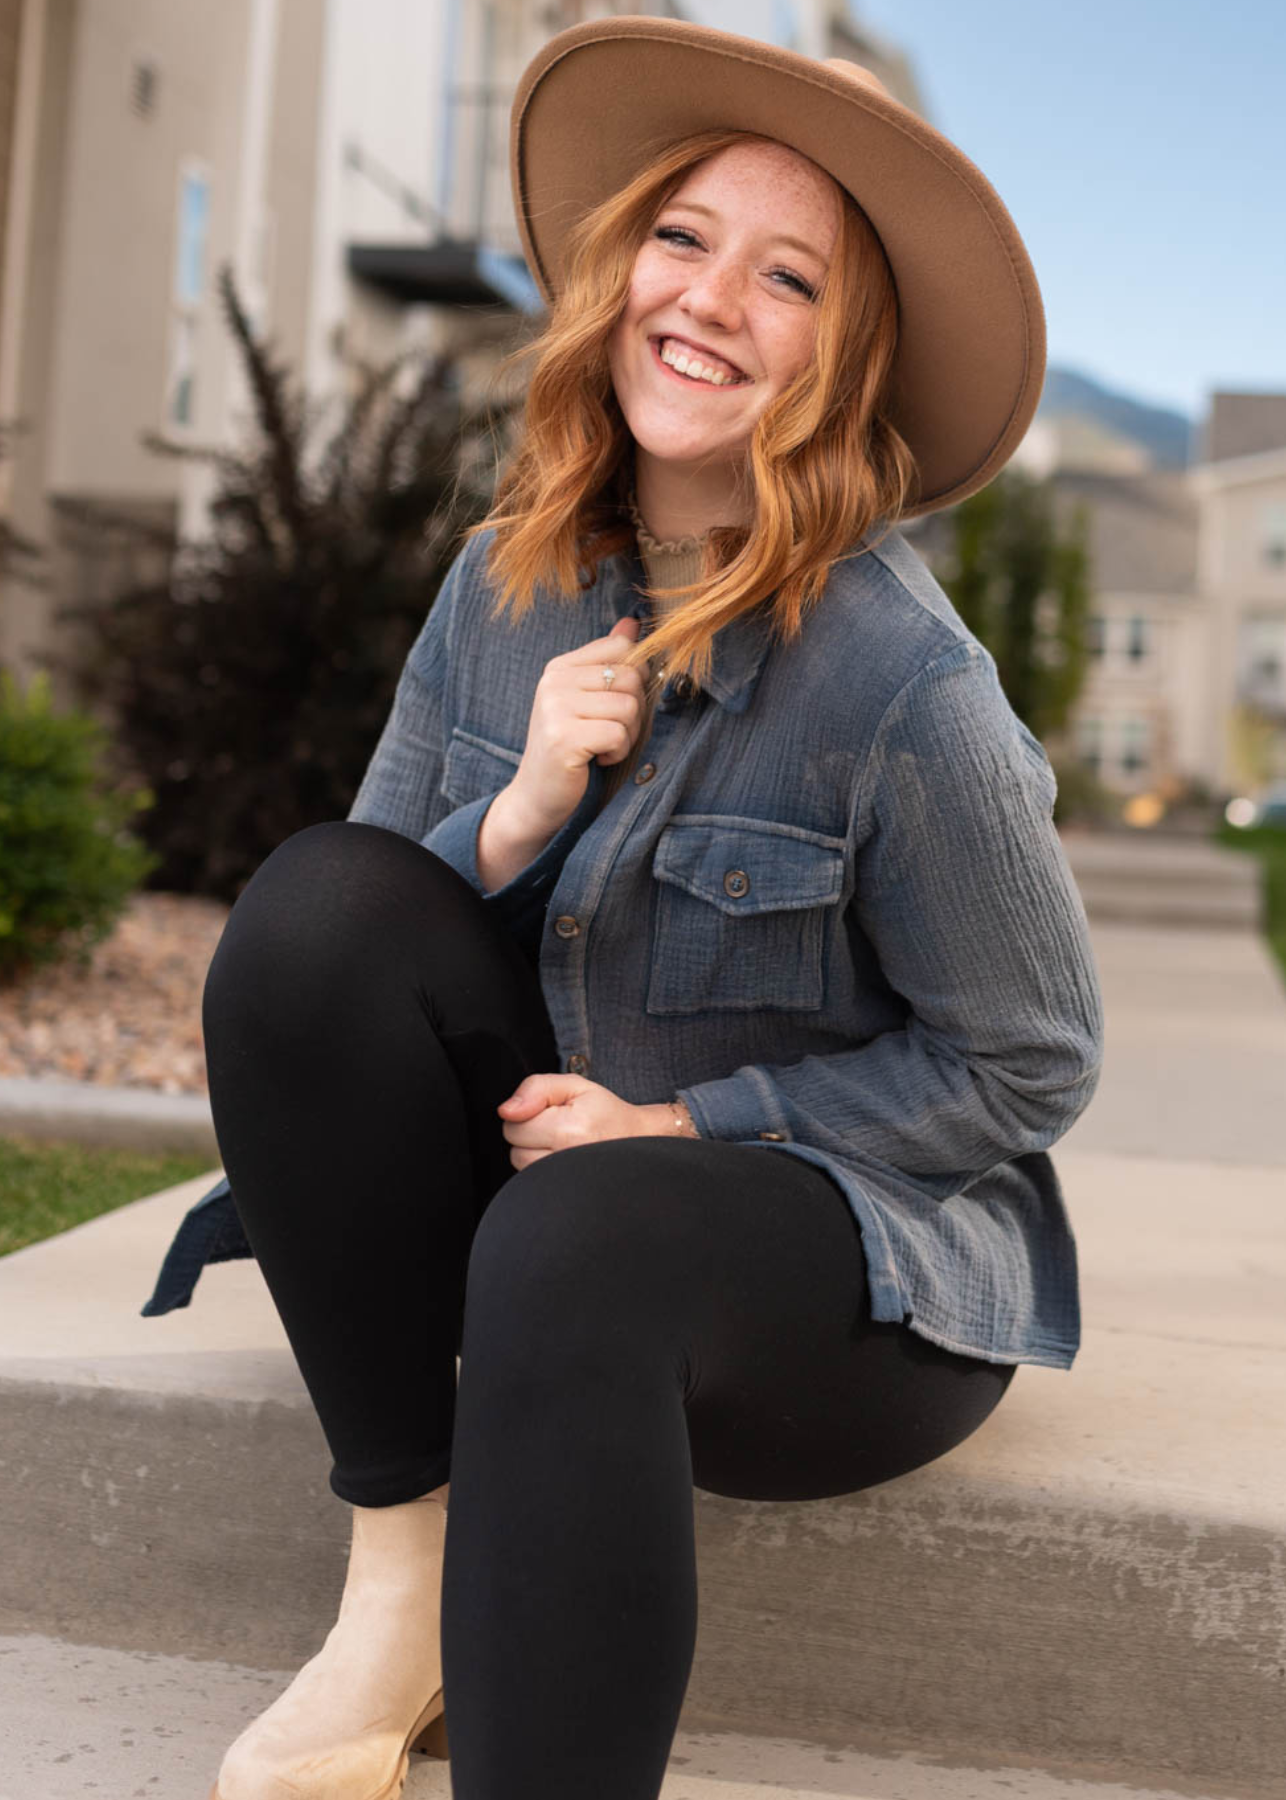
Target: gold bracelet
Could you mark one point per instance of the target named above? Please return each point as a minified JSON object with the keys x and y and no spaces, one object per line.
{"x":682,"y":1118}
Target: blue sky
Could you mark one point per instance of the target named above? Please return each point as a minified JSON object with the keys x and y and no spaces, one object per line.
{"x":1140,"y":146}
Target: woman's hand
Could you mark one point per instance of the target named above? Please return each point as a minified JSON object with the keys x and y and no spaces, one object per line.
{"x":552,"y":1112}
{"x":574,"y":721}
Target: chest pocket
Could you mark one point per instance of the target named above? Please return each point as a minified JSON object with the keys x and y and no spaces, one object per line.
{"x":473,"y":766}
{"x":740,"y":916}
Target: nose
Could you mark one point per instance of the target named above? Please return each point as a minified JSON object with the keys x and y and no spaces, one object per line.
{"x":715,"y":295}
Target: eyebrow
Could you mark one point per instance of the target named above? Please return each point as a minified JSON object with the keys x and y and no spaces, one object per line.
{"x":780,"y":238}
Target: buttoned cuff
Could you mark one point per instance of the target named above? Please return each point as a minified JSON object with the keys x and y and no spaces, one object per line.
{"x":520,"y":903}
{"x":739,"y":1107}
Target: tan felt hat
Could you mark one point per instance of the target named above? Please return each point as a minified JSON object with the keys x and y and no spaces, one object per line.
{"x":600,"y":99}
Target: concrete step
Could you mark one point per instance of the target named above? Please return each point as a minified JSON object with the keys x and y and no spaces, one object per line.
{"x":1163,"y":881}
{"x":1057,"y":1589}
{"x":49,"y":1107}
{"x":86,"y":1721}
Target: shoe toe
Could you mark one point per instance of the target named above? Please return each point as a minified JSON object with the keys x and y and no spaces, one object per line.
{"x":365,"y":1767}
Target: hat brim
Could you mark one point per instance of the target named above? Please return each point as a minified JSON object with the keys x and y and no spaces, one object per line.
{"x":599,"y":101}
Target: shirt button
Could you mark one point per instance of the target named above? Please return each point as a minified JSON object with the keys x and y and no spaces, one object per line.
{"x":684,"y":687}
{"x":577,"y":1064}
{"x":773,"y":1137}
{"x":645,"y":774}
{"x":736,"y":882}
{"x":566,"y":926}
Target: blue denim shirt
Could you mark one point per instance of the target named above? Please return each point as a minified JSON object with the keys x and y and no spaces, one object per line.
{"x":830,"y":910}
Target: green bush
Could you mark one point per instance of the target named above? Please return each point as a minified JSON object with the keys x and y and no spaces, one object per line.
{"x":249,"y":682}
{"x":67,"y":866}
{"x":1268,"y":843}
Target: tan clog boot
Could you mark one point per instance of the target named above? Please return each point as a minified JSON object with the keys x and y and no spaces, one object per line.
{"x":345,"y":1727}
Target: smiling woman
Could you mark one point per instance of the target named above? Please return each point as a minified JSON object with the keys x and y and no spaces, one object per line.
{"x":722,"y":304}
{"x":687,"y":1062}
{"x":747,"y":256}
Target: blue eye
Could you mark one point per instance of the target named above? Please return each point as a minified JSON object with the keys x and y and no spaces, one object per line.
{"x":678,"y":232}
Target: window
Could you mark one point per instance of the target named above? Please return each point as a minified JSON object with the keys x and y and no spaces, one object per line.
{"x":182,"y":373}
{"x":1135,"y":745}
{"x":1121,"y":641}
{"x":1274,"y":534}
{"x":144,"y":78}
{"x":1262,"y":658}
{"x":1089,"y":743}
{"x":191,"y":233}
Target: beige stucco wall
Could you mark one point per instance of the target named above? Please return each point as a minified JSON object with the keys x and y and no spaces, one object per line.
{"x":10,"y":27}
{"x":292,"y":172}
{"x":112,"y":311}
{"x":1237,"y":580}
{"x":32,"y":262}
{"x":87,"y":307}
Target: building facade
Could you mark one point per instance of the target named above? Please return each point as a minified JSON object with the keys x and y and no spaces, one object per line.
{"x":347,"y":160}
{"x":1239,"y":483}
{"x":306,"y":145}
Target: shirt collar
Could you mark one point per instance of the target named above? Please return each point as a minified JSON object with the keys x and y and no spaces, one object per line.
{"x":739,"y":648}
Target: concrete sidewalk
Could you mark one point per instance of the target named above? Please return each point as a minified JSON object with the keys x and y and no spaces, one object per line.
{"x":187,"y":1713}
{"x":1094,"y":1580}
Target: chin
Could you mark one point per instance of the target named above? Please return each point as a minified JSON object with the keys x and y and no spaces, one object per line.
{"x":660,"y":439}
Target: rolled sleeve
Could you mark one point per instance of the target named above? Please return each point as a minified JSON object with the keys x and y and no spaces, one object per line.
{"x":521,"y":902}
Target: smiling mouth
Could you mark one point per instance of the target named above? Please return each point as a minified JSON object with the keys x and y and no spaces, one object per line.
{"x":710,"y":387}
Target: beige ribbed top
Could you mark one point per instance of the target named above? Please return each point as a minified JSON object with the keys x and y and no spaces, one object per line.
{"x":670,"y":561}
{"x":667,"y":563}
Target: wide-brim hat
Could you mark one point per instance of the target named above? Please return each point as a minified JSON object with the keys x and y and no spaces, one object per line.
{"x":599,"y":100}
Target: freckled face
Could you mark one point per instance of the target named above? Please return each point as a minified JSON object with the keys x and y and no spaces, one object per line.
{"x":724,"y":279}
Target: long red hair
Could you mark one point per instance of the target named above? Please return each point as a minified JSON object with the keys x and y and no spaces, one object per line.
{"x":825,"y":462}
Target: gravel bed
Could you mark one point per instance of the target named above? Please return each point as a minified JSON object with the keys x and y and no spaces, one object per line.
{"x":133,"y":1018}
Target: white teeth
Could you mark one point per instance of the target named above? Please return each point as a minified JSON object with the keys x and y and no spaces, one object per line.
{"x":688,"y":364}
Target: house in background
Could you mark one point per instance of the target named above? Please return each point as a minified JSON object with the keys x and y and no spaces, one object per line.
{"x":1139,"y":719}
{"x":349,"y":160}
{"x":345,"y":157}
{"x":1139,"y":722}
{"x":1239,"y":482}
{"x":1188,"y":578}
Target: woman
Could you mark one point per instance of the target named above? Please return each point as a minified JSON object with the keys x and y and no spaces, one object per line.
{"x":675,"y":1028}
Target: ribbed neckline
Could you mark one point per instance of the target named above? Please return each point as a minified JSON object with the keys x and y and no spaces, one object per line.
{"x":655,"y":544}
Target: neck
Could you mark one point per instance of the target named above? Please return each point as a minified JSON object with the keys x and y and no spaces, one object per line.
{"x":678,"y":503}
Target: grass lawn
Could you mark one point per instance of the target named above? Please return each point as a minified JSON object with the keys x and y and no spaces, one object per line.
{"x":47,"y":1187}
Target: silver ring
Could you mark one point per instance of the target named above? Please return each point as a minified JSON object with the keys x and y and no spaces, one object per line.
{"x":609,"y":675}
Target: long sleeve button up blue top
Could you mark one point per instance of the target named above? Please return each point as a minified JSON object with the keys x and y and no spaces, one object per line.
{"x":830,"y":910}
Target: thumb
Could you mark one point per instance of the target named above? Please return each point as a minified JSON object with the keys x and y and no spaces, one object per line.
{"x":628,"y":626}
{"x":535,"y":1091}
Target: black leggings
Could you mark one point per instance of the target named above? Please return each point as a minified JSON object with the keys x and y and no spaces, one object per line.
{"x":633,"y":1317}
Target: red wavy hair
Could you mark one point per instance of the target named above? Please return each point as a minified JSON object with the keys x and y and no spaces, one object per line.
{"x":825,"y":463}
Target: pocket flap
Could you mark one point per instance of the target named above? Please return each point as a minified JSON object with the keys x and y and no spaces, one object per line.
{"x":748,"y":866}
{"x":474,"y":766}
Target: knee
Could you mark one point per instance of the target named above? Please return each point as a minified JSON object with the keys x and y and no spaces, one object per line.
{"x":576,"y":1241}
{"x":311,"y":914}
